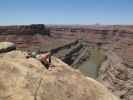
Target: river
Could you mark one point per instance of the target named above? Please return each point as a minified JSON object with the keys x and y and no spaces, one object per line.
{"x":91,"y":66}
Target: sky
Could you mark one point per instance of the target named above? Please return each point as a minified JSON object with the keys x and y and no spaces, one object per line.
{"x":87,"y":12}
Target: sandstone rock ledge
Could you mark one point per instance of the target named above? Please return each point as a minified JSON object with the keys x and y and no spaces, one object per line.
{"x":28,"y":79}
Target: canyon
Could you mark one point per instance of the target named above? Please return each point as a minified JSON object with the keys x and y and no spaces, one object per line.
{"x":100,"y":52}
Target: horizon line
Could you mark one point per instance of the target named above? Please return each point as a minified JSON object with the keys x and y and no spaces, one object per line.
{"x":69,"y":24}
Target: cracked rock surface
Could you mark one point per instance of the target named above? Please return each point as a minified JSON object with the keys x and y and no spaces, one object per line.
{"x":28,"y":79}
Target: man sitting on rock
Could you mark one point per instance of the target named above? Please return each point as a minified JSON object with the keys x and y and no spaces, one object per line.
{"x":45,"y":58}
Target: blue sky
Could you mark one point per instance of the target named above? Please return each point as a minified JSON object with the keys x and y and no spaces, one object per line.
{"x":66,"y":12}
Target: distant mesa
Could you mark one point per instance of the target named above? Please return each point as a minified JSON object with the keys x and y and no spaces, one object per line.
{"x":25,"y":29}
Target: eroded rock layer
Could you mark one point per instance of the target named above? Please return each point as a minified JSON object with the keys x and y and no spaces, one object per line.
{"x":116,"y":71}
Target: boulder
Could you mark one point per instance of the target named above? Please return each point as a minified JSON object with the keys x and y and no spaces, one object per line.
{"x":6,"y":46}
{"x":28,"y":79}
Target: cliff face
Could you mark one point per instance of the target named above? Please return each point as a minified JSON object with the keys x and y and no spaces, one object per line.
{"x":28,"y":79}
{"x":116,"y":72}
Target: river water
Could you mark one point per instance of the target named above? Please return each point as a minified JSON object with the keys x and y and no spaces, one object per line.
{"x":91,"y":66}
